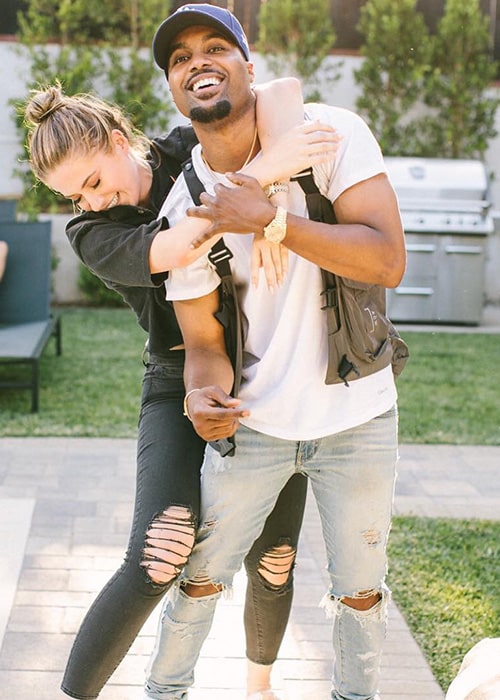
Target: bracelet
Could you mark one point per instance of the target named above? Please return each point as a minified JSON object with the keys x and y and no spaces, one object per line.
{"x":275,"y":187}
{"x":185,"y":405}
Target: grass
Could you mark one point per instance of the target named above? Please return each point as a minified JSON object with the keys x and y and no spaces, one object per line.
{"x":448,"y":392}
{"x":92,"y":389}
{"x":444,"y":574}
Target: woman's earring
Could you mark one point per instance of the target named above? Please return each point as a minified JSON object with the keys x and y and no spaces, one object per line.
{"x":77,"y":209}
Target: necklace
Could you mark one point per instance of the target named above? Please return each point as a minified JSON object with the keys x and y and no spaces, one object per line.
{"x":248,"y":158}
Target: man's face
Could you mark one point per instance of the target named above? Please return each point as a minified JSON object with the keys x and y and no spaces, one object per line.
{"x":208,"y":76}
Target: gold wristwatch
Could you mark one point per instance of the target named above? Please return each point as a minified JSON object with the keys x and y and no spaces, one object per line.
{"x":275,"y":231}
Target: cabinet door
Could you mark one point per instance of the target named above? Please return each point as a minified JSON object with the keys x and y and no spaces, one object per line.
{"x":415,"y":298}
{"x":461,"y":279}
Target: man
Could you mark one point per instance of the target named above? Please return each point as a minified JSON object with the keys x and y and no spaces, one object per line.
{"x":286,"y":419}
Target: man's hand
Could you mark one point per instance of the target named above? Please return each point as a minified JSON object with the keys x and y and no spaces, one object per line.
{"x":214,"y":413}
{"x":241,"y":209}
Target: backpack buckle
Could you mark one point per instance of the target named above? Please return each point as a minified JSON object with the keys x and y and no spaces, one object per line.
{"x":331,"y":298}
{"x":218,"y":256}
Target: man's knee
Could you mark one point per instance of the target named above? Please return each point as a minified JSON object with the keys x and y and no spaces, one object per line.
{"x":365,"y":605}
{"x":197,"y":590}
{"x":364,"y":600}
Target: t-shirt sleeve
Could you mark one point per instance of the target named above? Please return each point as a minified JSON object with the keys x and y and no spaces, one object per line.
{"x":191,"y":282}
{"x":358,"y":156}
{"x":116,"y":251}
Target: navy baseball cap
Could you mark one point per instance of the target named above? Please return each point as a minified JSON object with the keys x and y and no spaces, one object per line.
{"x":187,"y":16}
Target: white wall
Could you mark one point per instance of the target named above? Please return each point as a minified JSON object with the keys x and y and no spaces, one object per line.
{"x":12,"y":83}
{"x":12,"y":86}
{"x":342,"y":93}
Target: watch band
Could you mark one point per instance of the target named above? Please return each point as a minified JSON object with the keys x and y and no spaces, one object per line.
{"x":275,"y":187}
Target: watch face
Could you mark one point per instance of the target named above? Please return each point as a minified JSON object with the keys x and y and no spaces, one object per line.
{"x":275,"y":231}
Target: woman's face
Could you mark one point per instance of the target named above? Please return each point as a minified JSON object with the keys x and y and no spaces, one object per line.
{"x":103,"y":180}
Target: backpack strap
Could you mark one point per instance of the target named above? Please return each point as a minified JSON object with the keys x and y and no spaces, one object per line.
{"x":321,"y":209}
{"x":228,"y":313}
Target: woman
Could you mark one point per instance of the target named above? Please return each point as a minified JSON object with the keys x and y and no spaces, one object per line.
{"x":88,"y":151}
{"x":4,"y":250}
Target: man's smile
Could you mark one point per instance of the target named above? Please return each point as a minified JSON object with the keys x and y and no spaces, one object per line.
{"x":205,"y":82}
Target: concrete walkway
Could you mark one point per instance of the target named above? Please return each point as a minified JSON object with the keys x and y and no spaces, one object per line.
{"x":65,"y":509}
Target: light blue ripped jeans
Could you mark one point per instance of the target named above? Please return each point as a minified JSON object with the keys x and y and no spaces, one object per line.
{"x":352,"y":476}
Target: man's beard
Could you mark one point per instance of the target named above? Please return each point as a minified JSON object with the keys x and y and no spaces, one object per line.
{"x":206,"y":115}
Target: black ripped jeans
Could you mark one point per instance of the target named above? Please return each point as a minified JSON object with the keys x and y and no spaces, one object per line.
{"x":169,"y":456}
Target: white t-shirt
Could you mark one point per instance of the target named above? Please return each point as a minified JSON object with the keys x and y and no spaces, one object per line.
{"x":285,"y":348}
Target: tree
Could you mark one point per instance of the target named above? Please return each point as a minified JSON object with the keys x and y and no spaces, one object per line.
{"x":462,"y":116}
{"x":426,"y":95}
{"x":295,"y":36}
{"x":87,"y":50}
{"x":396,"y":51}
{"x":80,"y":22}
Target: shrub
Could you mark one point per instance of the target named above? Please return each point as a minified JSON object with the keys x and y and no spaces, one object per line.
{"x":426,"y":95}
{"x":462,"y":116}
{"x":396,"y":52}
{"x":95,"y":291}
{"x":295,"y":36}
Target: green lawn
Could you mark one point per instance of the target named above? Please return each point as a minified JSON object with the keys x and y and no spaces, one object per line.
{"x":449,"y":391}
{"x":92,"y":389}
{"x":445,"y":577}
{"x":444,"y":574}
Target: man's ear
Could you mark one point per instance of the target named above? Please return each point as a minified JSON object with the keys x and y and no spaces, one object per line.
{"x":120,"y":140}
{"x":251,"y":71}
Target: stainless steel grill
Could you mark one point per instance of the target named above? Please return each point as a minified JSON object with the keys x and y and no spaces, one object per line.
{"x":445,"y":210}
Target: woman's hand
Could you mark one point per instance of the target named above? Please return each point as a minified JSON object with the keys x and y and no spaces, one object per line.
{"x":298,"y":148}
{"x":273,"y":257}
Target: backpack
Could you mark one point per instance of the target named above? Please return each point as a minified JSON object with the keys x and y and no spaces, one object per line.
{"x":361,"y":339}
